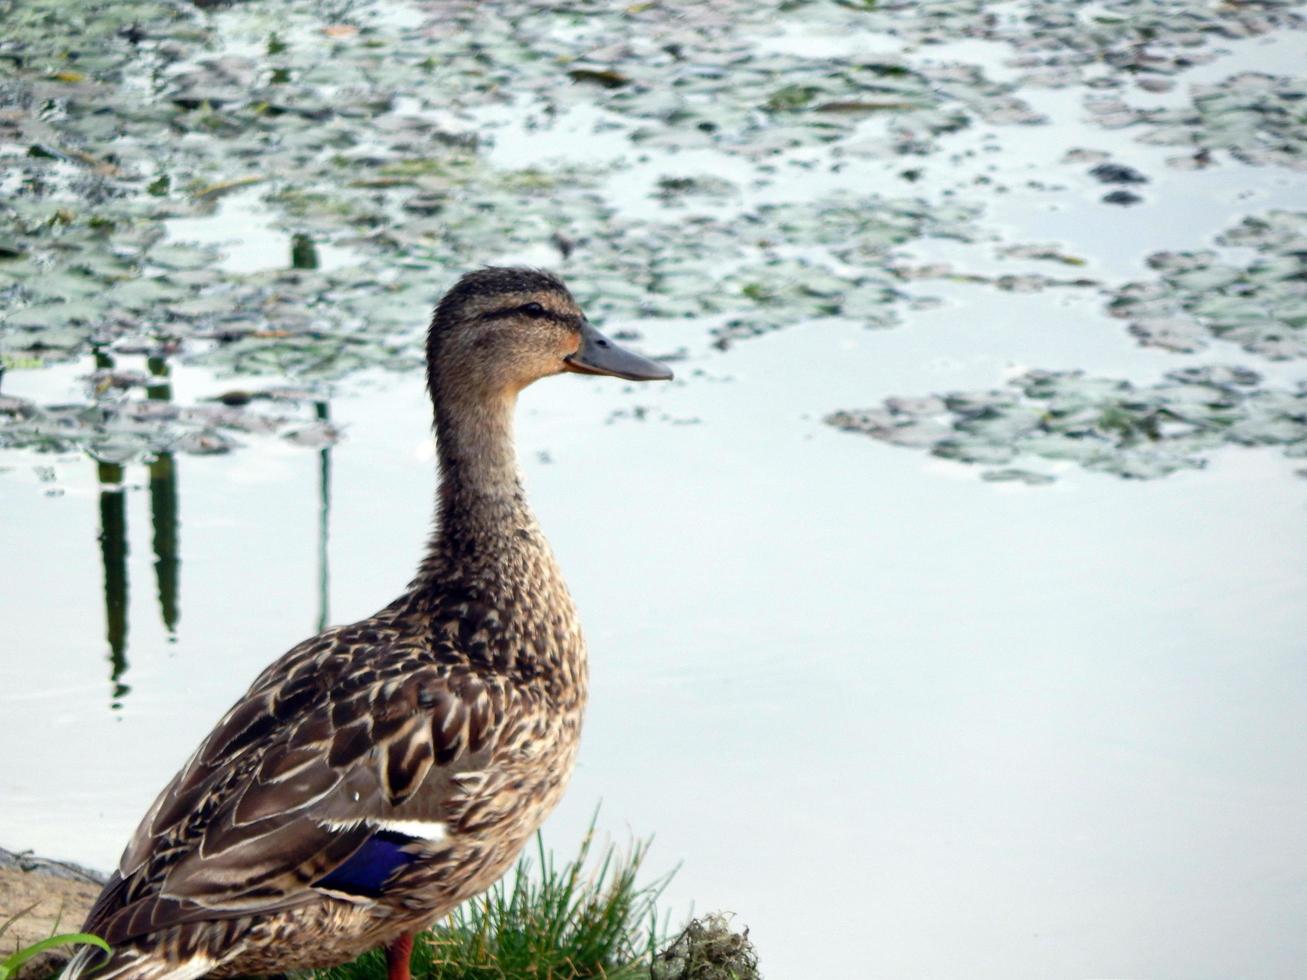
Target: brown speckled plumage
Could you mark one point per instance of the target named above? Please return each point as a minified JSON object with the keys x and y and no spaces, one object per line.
{"x":437,"y":733}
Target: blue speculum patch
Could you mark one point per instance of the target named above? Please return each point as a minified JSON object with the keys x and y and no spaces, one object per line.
{"x":368,"y":868}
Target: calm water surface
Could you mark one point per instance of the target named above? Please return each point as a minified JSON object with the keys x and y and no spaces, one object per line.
{"x":901,"y":721}
{"x":852,"y":691}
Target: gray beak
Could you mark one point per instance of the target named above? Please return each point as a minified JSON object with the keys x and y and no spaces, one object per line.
{"x":599,"y":355}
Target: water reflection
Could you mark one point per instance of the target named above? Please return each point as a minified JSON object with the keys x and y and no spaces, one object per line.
{"x":304,"y":255}
{"x":323,"y":411}
{"x":113,"y":555}
{"x":165,"y":526}
{"x":114,"y":547}
{"x":303,"y":252}
{"x":163,"y":510}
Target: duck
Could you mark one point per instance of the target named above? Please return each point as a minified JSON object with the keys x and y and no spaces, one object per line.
{"x":380,"y":773}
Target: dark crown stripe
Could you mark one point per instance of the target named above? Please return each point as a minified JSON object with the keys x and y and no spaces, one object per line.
{"x":497,"y":281}
{"x":542,"y":314}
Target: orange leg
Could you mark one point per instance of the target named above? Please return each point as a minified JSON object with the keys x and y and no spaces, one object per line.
{"x":397,"y":957}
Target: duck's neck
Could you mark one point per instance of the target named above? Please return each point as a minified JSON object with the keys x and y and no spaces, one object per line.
{"x":488,"y":572}
{"x":480,"y":501}
{"x":474,"y":443}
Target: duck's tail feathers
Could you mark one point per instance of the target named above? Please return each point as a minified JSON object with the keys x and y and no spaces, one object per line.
{"x":130,"y":964}
{"x":81,"y":961}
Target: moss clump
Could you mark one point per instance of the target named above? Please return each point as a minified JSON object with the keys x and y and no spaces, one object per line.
{"x":708,"y":949}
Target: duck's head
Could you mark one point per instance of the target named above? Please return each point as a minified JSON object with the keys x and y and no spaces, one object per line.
{"x":499,"y":329}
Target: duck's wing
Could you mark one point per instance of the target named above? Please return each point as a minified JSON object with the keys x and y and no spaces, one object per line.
{"x":300,"y":790}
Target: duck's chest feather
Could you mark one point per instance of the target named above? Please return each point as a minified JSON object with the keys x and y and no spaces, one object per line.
{"x":469,"y":737}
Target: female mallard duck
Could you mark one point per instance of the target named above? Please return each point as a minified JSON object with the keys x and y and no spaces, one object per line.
{"x":380,"y":773}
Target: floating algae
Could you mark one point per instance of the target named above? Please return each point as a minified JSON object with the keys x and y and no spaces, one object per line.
{"x":89,"y":264}
{"x":373,"y":135}
{"x":1101,"y":424}
{"x":1261,"y":305}
{"x":1258,"y":119}
{"x":118,"y":428}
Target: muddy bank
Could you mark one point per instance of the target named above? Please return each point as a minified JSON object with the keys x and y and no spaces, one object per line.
{"x":40,"y":897}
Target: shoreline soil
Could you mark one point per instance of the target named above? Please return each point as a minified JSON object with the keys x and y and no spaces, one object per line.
{"x":41,"y":897}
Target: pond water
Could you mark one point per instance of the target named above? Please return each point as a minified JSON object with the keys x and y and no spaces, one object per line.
{"x":901,"y":720}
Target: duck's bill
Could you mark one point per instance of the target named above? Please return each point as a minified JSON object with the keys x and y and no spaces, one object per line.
{"x":599,"y":355}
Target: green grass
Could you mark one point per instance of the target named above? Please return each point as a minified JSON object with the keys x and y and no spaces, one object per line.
{"x":11,"y":964}
{"x":581,"y":919}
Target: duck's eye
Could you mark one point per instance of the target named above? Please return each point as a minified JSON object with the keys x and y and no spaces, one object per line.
{"x":534,"y":309}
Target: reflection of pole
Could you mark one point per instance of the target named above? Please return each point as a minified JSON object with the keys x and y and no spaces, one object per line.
{"x":113,"y":551}
{"x":160,"y":390}
{"x":303,"y":253}
{"x":163,"y":512}
{"x":324,"y":517}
